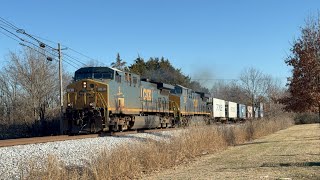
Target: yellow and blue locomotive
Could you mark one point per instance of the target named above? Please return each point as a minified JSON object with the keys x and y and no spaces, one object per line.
{"x":107,"y":99}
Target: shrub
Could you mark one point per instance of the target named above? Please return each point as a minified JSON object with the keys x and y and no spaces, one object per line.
{"x":306,"y":118}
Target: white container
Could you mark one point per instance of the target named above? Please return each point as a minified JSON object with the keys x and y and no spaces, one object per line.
{"x":231,"y":110}
{"x":249,"y":112}
{"x":218,"y":108}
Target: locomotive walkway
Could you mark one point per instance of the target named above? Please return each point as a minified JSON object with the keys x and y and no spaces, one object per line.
{"x":293,"y":153}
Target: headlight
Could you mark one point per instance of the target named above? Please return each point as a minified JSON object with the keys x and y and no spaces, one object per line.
{"x":91,"y":104}
{"x":69,"y":104}
{"x":84,"y":84}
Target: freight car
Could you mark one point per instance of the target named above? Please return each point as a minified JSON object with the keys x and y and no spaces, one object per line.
{"x":231,"y":111}
{"x":107,"y":99}
{"x":241,"y":112}
{"x":217,"y":109}
{"x":249,"y":112}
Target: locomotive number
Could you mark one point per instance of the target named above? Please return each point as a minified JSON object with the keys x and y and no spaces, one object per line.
{"x":219,"y":107}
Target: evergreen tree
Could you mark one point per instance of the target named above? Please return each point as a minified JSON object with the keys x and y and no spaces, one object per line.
{"x":161,"y":70}
{"x":119,"y":63}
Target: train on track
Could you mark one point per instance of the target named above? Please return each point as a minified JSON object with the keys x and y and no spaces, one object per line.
{"x":107,"y":99}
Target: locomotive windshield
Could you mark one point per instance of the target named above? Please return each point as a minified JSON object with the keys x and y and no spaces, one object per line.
{"x":94,"y":73}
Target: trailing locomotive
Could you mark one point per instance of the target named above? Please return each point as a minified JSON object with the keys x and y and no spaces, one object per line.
{"x":107,"y":99}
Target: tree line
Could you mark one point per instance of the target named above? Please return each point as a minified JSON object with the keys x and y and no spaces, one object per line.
{"x":29,"y":91}
{"x":30,"y":85}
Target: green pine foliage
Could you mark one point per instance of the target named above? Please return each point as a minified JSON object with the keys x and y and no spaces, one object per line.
{"x":161,"y":70}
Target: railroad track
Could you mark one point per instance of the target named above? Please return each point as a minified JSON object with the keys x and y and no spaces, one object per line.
{"x":35,"y":140}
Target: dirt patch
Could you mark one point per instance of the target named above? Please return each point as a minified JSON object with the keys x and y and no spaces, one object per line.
{"x":293,"y":153}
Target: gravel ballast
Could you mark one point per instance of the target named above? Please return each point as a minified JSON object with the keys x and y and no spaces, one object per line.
{"x":71,"y":152}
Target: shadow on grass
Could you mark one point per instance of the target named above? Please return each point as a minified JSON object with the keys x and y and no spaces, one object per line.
{"x":253,"y":143}
{"x":296,"y":164}
{"x":264,"y":142}
{"x":284,"y":155}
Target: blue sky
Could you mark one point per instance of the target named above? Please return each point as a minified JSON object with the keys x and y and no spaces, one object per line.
{"x":212,"y":39}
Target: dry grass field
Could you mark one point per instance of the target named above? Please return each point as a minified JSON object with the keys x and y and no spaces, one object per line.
{"x":148,"y":157}
{"x":293,"y":153}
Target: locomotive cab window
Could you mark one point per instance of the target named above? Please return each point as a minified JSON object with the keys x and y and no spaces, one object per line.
{"x":118,"y":77}
{"x":127,"y":77}
{"x":103,"y":76}
{"x":135,"y":81}
{"x":97,"y":75}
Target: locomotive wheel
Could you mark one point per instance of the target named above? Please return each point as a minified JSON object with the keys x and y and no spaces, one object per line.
{"x":114,"y":128}
{"x":93,"y":128}
{"x":120,"y":128}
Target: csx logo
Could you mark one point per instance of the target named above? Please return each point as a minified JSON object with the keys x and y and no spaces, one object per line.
{"x":195,"y":103}
{"x":219,"y":107}
{"x":147,"y":94}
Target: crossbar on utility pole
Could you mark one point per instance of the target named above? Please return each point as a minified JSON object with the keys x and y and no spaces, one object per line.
{"x":61,"y":88}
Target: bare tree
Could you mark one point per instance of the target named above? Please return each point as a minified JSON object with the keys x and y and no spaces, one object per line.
{"x":230,"y":91}
{"x":31,"y":84}
{"x":255,"y":84}
{"x":9,"y":97}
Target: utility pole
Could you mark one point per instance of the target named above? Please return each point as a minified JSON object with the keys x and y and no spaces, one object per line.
{"x":61,"y":88}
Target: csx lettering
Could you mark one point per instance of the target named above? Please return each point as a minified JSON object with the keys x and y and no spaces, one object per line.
{"x":147,"y":94}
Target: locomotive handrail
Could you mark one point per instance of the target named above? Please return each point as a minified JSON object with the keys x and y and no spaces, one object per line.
{"x":105,"y":106}
{"x":104,"y":103}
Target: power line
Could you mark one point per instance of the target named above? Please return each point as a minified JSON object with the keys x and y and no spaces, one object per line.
{"x":45,"y":39}
{"x":225,"y":79}
{"x":211,"y":79}
{"x":9,"y":36}
{"x":74,"y":58}
{"x":33,"y":49}
{"x":67,"y":55}
{"x":82,"y":54}
{"x":8,"y":24}
{"x":86,"y":56}
{"x":5,"y":25}
{"x":21,"y":39}
{"x":76,"y":63}
{"x":71,"y":64}
{"x":12,"y":33}
{"x":46,"y":54}
{"x":71,"y":60}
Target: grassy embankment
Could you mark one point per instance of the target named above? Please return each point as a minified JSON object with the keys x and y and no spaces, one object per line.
{"x":129,"y":162}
